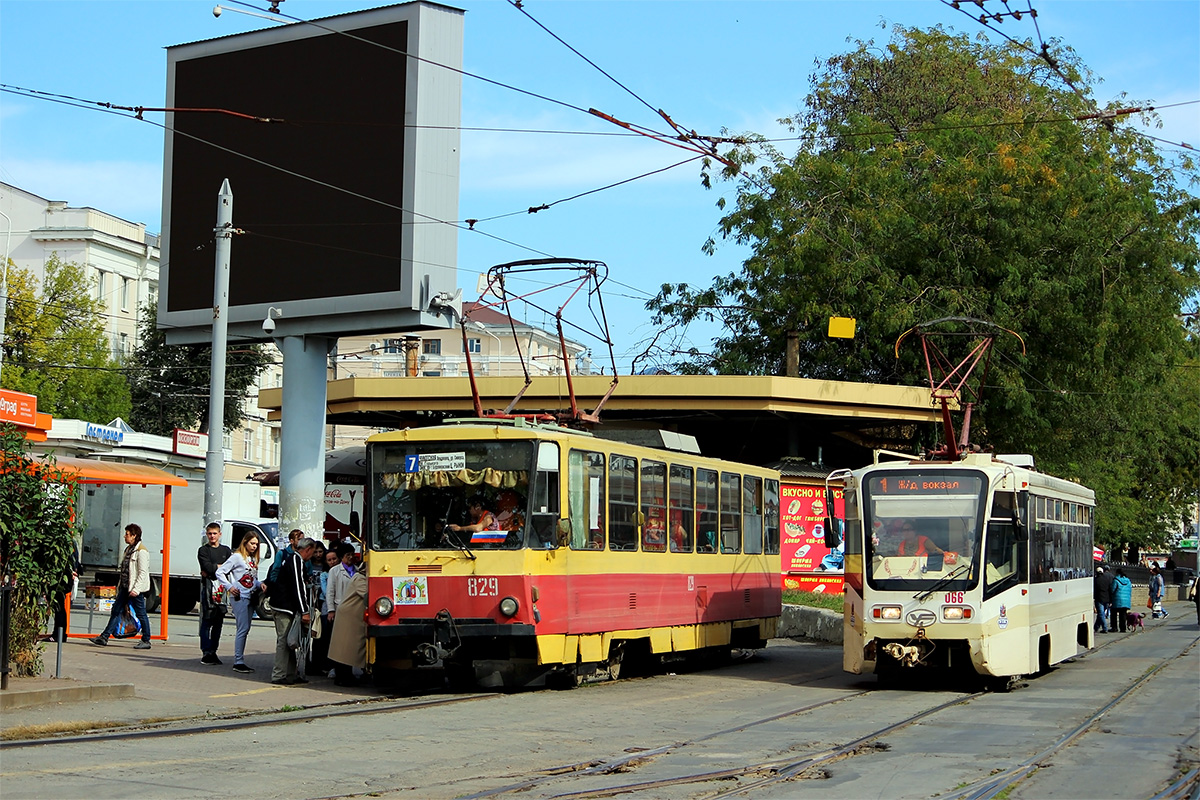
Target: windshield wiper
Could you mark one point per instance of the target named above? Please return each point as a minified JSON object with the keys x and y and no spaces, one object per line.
{"x":449,"y":536}
{"x":942,"y":581}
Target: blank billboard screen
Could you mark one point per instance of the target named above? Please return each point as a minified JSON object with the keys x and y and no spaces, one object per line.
{"x":325,"y":195}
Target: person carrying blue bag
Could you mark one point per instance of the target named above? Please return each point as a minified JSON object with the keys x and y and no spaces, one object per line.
{"x":131,"y":591}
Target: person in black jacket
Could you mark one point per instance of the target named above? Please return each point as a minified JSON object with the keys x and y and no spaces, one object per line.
{"x":289,"y":602}
{"x":212,"y":554}
{"x":1102,"y":595}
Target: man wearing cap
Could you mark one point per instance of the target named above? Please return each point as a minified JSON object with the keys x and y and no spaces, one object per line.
{"x":289,"y":602}
{"x":211,"y":555}
{"x":1102,"y":593}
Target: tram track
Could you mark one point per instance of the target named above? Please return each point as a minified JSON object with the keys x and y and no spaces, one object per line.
{"x":253,"y":719}
{"x":777,"y":771}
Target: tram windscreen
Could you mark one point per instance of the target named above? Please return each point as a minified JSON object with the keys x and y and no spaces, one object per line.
{"x":924,"y":527}
{"x":449,"y":495}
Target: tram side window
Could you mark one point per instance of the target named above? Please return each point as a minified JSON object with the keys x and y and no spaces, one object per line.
{"x":682,"y":514}
{"x":622,"y":503}
{"x":544,"y":500}
{"x":752,"y":514}
{"x":654,"y":506}
{"x":731,"y":512}
{"x":707,"y":521}
{"x":771,"y":517}
{"x":585,"y":499}
{"x":1005,"y":564}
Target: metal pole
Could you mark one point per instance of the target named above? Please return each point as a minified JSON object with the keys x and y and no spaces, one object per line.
{"x":214,"y":462}
{"x":4,"y":286}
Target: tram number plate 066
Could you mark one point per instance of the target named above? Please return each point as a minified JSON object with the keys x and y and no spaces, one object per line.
{"x":954,"y":597}
{"x":482,"y":587}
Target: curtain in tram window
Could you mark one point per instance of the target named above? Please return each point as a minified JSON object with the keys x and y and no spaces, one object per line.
{"x":496,"y":478}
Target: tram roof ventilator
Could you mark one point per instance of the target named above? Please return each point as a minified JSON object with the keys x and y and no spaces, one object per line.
{"x":660,"y":439}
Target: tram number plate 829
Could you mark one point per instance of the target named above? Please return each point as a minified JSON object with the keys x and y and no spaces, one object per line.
{"x":482,"y":587}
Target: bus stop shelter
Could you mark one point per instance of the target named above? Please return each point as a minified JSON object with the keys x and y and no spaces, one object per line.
{"x":90,"y":472}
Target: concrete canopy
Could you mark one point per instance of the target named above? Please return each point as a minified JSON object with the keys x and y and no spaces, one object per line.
{"x":756,"y":419}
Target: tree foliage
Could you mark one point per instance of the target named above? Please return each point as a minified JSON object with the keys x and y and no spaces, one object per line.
{"x":170,"y":383}
{"x":38,"y":526}
{"x":943,"y":176}
{"x":55,"y":346}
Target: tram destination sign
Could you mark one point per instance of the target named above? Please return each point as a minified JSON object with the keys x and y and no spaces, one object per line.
{"x":920,"y":484}
{"x":435,"y":462}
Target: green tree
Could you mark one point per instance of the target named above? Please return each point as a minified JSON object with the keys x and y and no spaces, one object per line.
{"x":38,"y":526}
{"x":170,"y":383}
{"x":55,"y":346}
{"x":943,"y":176}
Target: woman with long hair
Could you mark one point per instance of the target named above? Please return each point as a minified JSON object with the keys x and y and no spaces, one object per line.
{"x":239,"y":576}
{"x":132,"y":588}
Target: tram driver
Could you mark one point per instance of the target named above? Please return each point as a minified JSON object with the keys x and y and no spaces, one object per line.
{"x":911,"y":542}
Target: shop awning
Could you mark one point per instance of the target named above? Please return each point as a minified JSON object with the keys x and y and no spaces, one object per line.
{"x":92,"y":471}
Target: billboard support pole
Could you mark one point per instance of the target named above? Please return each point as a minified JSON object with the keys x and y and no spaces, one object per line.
{"x":214,"y":462}
{"x":302,"y":434}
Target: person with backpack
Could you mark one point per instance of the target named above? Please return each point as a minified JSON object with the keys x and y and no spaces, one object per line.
{"x":288,"y":594}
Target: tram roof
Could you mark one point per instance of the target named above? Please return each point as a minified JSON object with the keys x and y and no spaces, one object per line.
{"x":747,"y":418}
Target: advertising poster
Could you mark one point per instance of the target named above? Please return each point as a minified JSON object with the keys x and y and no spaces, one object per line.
{"x":808,"y":565}
{"x":343,"y":510}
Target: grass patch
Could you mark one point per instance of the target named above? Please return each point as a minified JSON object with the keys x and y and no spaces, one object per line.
{"x":794,"y":597}
{"x":291,"y":708}
{"x":47,"y":729}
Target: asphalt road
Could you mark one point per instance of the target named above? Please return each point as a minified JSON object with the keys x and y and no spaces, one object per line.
{"x":731,"y":731}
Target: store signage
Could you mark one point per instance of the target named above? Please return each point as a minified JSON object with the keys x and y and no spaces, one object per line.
{"x":190,"y":443}
{"x":103,"y":433}
{"x":18,"y":408}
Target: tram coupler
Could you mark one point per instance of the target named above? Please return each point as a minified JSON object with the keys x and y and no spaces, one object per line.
{"x":445,"y":640}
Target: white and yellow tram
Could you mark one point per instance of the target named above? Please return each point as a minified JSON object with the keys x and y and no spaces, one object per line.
{"x":982,"y":564}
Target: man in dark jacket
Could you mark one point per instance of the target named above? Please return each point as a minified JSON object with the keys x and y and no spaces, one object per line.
{"x":211,"y":555}
{"x":1102,"y":593}
{"x":288,"y":594}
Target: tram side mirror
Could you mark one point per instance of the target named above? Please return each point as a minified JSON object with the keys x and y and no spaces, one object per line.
{"x":832,"y":538}
{"x":1019,"y":531}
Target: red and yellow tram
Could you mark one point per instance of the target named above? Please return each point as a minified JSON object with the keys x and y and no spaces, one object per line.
{"x":509,"y":553}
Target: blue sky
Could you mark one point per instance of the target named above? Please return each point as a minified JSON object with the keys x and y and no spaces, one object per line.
{"x":711,"y":65}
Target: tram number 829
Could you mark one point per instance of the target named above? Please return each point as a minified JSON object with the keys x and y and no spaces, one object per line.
{"x":482,"y":587}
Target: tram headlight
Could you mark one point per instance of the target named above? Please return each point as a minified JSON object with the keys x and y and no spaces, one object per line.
{"x":956,"y":613}
{"x":509,"y":606}
{"x":889,"y":613}
{"x":384,"y":606}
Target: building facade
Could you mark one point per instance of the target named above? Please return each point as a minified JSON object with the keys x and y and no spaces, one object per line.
{"x":120,"y":258}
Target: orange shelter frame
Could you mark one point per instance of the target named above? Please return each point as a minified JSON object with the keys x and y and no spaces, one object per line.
{"x":89,"y":471}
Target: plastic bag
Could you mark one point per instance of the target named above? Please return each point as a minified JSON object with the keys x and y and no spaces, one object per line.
{"x":128,"y":624}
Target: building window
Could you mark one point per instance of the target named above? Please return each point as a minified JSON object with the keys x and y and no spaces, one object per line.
{"x":473,"y":346}
{"x":393,"y":346}
{"x":125,"y":284}
{"x":123,"y":347}
{"x":247,"y":443}
{"x":101,"y":287}
{"x":432,"y":347}
{"x":432,"y":373}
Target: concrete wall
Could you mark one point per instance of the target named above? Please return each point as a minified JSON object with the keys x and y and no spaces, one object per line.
{"x":803,"y":622}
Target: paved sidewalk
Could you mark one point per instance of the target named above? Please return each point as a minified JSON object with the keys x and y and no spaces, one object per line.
{"x":119,"y":684}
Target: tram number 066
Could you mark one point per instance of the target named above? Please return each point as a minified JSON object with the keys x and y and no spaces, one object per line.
{"x":482,"y":587}
{"x":954,"y":597}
